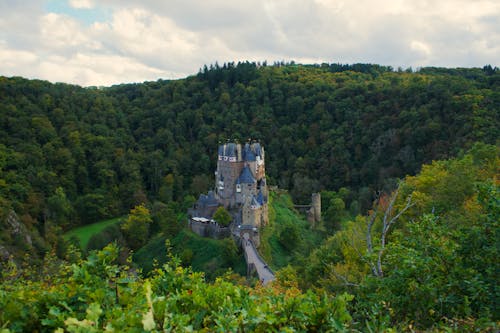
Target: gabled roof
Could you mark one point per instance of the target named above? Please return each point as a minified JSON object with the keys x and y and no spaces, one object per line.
{"x":246,"y":176}
{"x":260,"y":198}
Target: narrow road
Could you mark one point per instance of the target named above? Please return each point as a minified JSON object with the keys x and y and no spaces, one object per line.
{"x":263,"y":271}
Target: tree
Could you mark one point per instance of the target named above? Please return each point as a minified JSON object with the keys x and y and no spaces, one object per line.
{"x":91,"y":207}
{"x":166,"y":191}
{"x":222,"y":216}
{"x":334,"y":214}
{"x":165,"y":219}
{"x":59,"y":207}
{"x":289,"y":237}
{"x":136,"y":227}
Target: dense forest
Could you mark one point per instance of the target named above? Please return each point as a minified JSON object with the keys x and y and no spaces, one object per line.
{"x":406,"y":243}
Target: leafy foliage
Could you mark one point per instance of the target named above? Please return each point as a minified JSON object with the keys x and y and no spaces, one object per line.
{"x":213,"y":257}
{"x":222,"y":216}
{"x":438,"y":262}
{"x":288,"y":237}
{"x":136,"y":226}
{"x":97,"y":295}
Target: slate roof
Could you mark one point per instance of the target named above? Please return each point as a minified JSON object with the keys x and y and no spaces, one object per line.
{"x":207,"y":200}
{"x":246,"y":176}
{"x":230,"y":150}
{"x":260,"y":198}
{"x":248,"y":154}
{"x":255,"y":202}
{"x":257,"y":149}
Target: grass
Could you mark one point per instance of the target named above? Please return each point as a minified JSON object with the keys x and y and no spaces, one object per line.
{"x":283,"y":215}
{"x":83,"y":234}
{"x":208,"y":255}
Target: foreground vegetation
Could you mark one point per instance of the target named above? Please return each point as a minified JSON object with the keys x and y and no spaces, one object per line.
{"x":96,"y":294}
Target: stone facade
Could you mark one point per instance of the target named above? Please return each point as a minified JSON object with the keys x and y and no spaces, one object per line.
{"x":208,"y":228}
{"x":240,"y":186}
{"x":314,"y":213}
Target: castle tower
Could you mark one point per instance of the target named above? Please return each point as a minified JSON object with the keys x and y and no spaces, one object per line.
{"x":240,"y":186}
{"x":316,"y":206}
{"x":229,"y":167}
{"x":240,"y":173}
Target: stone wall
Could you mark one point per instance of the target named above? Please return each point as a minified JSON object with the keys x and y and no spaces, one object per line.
{"x":209,"y":229}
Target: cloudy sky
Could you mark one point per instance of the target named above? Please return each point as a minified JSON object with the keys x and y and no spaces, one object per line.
{"x":104,"y":42}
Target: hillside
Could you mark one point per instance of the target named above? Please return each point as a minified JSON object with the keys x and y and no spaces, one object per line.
{"x":213,"y":257}
{"x":289,"y":237}
{"x":85,"y":233}
{"x":71,"y":156}
{"x":436,"y":262}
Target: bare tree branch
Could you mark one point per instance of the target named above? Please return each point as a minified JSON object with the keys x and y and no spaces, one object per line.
{"x":371,"y":221}
{"x":387,"y":224}
{"x":343,"y":278}
{"x":387,"y":221}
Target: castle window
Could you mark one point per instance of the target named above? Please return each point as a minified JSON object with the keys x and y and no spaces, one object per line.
{"x":238,"y":188}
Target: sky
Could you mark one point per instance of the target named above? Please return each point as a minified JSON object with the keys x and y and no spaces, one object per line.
{"x":106,"y":42}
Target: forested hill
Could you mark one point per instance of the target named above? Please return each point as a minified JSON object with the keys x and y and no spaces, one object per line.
{"x":72,"y":155}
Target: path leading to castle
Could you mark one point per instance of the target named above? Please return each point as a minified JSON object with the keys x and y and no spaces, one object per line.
{"x":265,"y":274}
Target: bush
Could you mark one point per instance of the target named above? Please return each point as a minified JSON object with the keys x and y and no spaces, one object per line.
{"x":106,"y":236}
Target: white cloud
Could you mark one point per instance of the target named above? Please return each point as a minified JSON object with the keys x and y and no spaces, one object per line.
{"x":84,"y":4}
{"x":423,"y":49}
{"x":98,"y":70}
{"x":62,"y":32}
{"x":16,"y":62}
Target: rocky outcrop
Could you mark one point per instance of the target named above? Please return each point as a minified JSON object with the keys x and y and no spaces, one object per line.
{"x":17,"y":228}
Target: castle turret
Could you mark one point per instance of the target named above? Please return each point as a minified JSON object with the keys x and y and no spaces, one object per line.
{"x":316,"y":206}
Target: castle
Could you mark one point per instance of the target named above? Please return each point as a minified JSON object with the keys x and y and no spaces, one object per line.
{"x":240,"y":187}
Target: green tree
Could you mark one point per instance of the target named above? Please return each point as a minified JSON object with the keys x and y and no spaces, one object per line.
{"x":136,"y":227}
{"x":165,"y":219}
{"x":334,"y":214}
{"x":289,"y":237}
{"x":222,"y":216}
{"x":59,"y":207}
